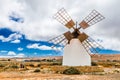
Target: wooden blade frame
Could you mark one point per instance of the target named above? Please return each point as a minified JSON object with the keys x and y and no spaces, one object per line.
{"x":82,"y":37}
{"x":59,"y":40}
{"x":68,"y":35}
{"x":63,"y":17}
{"x":91,"y":19}
{"x":91,"y":46}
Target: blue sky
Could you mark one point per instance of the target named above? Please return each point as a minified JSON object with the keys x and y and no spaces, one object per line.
{"x":27,"y":25}
{"x":18,"y":45}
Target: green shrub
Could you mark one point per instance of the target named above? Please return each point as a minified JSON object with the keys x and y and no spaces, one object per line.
{"x":94,"y":63}
{"x":1,"y":65}
{"x":71,"y":70}
{"x":56,"y":63}
{"x":31,"y":65}
{"x":108,"y":60}
{"x":37,"y":70}
{"x":108,"y":64}
{"x":38,"y":65}
{"x":117,"y":71}
{"x":14,"y":66}
{"x":8,"y":59}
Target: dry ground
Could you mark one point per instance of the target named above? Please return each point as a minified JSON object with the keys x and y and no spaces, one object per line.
{"x":10,"y":70}
{"x":39,"y":76}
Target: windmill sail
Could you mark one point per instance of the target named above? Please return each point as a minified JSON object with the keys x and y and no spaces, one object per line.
{"x":68,"y":35}
{"x":91,"y":19}
{"x":82,"y":37}
{"x":92,"y":46}
{"x":58,"y":41}
{"x":63,"y":17}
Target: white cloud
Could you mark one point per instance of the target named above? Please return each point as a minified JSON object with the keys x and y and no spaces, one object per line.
{"x":20,"y":49}
{"x":12,"y":56}
{"x":37,"y":46}
{"x":14,"y":38}
{"x":15,"y":41}
{"x":39,"y":24}
{"x":1,"y":37}
{"x":20,"y":55}
{"x":5,"y":56}
{"x":115,"y":44}
{"x":3,"y":51}
{"x":107,"y":42}
{"x":42,"y":47}
{"x":57,"y":48}
{"x":11,"y":53}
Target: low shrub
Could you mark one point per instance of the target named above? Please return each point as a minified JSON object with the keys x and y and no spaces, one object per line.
{"x":14,"y":66}
{"x":117,"y":65}
{"x":107,"y":64}
{"x":1,"y":65}
{"x":31,"y":65}
{"x":89,"y":69}
{"x":94,"y":64}
{"x":37,"y":70}
{"x":56,"y":63}
{"x":71,"y":70}
{"x":38,"y":65}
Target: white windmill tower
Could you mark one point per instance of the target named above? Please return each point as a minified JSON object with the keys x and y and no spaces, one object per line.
{"x":78,"y":45}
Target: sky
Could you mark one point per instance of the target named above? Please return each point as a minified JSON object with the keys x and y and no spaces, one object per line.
{"x":27,"y":25}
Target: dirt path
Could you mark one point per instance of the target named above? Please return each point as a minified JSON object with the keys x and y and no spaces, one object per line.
{"x":39,"y":76}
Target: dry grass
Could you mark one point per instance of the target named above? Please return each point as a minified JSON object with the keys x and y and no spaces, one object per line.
{"x":83,"y":69}
{"x":53,"y":70}
{"x":39,"y":76}
{"x":54,"y":67}
{"x":109,"y":64}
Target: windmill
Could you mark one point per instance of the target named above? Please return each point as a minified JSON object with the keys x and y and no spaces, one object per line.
{"x":78,"y":45}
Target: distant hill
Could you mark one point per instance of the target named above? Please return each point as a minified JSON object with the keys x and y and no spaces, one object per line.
{"x":94,"y":57}
{"x":105,"y":57}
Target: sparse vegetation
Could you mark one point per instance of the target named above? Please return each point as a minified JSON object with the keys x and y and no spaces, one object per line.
{"x":94,"y":64}
{"x":37,"y":70}
{"x":38,"y":65}
{"x":57,"y":63}
{"x":14,"y":66}
{"x":31,"y":65}
{"x":71,"y":70}
{"x":117,"y":65}
{"x":54,"y":67}
{"x":82,"y":69}
{"x":107,"y":64}
{"x":1,"y":65}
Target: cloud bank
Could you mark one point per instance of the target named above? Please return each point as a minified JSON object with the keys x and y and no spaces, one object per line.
{"x":38,"y":23}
